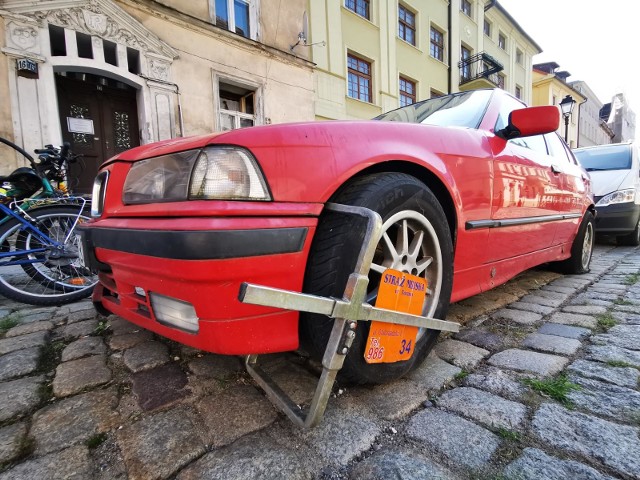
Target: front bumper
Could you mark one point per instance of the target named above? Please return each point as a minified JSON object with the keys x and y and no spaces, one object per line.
{"x":617,"y":219}
{"x":203,"y":262}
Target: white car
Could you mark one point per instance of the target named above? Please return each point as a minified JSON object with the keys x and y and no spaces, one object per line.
{"x":615,"y":177}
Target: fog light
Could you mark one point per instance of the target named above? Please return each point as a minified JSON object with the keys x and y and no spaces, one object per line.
{"x":174,"y":313}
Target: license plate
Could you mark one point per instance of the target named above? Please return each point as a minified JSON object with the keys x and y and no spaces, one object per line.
{"x":389,"y":342}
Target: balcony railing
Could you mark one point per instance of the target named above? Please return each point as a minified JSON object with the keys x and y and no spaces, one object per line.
{"x":480,"y":65}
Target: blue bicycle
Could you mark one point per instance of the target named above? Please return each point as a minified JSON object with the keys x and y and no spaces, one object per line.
{"x":41,"y":258}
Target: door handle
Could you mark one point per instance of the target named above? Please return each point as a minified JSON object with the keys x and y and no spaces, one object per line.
{"x":555,"y":169}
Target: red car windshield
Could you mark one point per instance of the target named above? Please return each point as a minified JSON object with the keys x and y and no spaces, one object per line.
{"x":464,"y":109}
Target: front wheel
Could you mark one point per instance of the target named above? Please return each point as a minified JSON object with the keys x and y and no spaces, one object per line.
{"x":582,"y":248}
{"x":416,"y":239}
{"x":45,"y":267}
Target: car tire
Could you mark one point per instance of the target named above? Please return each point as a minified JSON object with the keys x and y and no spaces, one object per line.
{"x":632,"y":239}
{"x":582,"y":248}
{"x":405,"y":205}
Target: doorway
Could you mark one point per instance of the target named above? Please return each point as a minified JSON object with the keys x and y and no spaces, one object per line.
{"x":99,"y":118}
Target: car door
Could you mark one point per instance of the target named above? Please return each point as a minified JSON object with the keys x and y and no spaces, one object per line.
{"x":527,"y":194}
{"x":574,"y":185}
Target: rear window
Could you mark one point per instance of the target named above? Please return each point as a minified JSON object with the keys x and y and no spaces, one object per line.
{"x":615,"y":157}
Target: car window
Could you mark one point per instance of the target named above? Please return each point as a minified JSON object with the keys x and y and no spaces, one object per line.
{"x":614,"y":157}
{"x":572,"y":157}
{"x":556,"y":147}
{"x":536,"y":143}
{"x":464,"y":109}
{"x":510,"y":104}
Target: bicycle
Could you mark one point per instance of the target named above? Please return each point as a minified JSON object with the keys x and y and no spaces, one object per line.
{"x":46,"y":179}
{"x":41,"y":257}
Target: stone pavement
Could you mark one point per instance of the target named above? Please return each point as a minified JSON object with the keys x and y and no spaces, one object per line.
{"x":541,"y":383}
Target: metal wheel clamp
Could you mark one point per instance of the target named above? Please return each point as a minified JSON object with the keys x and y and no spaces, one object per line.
{"x":346,"y":312}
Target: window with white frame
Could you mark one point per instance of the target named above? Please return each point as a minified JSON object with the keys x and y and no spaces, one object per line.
{"x":487,"y":28}
{"x":238,"y":16}
{"x":465,"y":7}
{"x":502,"y":41}
{"x":237,"y":106}
{"x":519,"y":56}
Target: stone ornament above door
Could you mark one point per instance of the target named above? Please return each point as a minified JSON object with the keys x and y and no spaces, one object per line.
{"x":101,"y":18}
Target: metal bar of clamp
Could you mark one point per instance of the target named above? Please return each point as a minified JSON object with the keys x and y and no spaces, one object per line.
{"x":346,"y":312}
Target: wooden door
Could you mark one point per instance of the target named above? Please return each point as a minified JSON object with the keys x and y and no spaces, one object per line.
{"x":109,"y":113}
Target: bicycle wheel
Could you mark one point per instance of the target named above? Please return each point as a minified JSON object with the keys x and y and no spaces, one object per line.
{"x":53,"y":276}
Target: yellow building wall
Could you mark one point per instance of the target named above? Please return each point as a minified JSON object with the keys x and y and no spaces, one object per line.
{"x":548,"y":90}
{"x":376,"y":40}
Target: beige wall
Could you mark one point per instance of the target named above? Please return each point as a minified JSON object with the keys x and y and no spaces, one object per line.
{"x":284,"y":83}
{"x":190,"y":54}
{"x":9,"y":159}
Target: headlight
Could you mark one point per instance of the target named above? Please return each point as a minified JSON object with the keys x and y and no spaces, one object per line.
{"x":215,"y":173}
{"x":227,"y":174}
{"x":98,"y":193}
{"x":621,"y":196}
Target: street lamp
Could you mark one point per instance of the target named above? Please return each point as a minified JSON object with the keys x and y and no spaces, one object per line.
{"x":566,"y":107}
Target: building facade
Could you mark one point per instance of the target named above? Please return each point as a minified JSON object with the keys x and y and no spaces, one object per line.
{"x":620,"y":119}
{"x":109,"y":75}
{"x":550,"y":88}
{"x":591,"y":129}
{"x":375,"y":55}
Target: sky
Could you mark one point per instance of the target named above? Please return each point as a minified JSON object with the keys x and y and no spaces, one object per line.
{"x":596,"y":41}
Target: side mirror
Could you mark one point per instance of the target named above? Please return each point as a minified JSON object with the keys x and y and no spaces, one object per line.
{"x":531,"y":121}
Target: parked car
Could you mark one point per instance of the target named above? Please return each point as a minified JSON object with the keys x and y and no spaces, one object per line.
{"x":615,"y":174}
{"x":473,"y":188}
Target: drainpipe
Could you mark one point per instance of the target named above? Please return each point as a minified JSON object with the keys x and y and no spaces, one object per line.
{"x":450,"y":42}
{"x":578,"y":137}
{"x":164,"y":82}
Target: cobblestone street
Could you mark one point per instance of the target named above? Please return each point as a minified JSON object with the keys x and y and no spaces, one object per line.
{"x":541,"y":382}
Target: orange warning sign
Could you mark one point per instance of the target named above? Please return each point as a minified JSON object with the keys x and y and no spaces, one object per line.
{"x":389,"y":342}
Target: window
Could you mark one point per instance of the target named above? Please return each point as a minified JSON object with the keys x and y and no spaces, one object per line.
{"x":518,"y":92}
{"x":237,"y":106}
{"x":407,"y":92}
{"x":437,"y":44}
{"x":361,"y":7}
{"x":554,"y":100}
{"x":406,"y":25}
{"x":464,"y":109}
{"x":110,"y":52}
{"x":57,"y":40}
{"x":133,"y":60}
{"x":359,"y":73}
{"x":83,"y":41}
{"x":502,"y":41}
{"x":465,"y":70}
{"x":487,"y":28}
{"x":519,"y":56}
{"x":556,"y":147}
{"x":501,"y":81}
{"x":236,"y":16}
{"x":465,"y":7}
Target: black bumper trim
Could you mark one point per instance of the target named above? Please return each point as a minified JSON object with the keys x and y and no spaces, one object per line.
{"x":514,"y":222}
{"x":197,"y":245}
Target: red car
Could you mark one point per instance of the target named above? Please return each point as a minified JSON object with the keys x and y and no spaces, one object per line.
{"x":473,"y":188}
